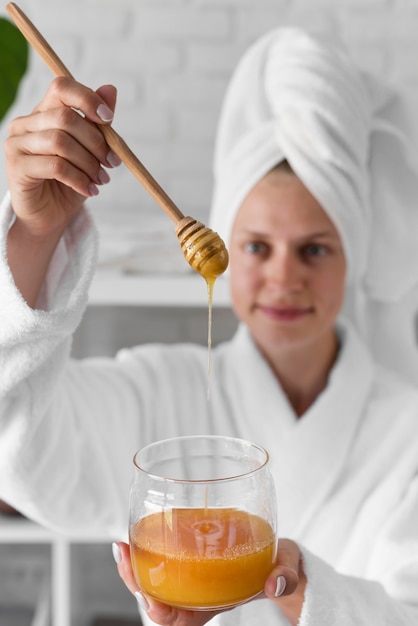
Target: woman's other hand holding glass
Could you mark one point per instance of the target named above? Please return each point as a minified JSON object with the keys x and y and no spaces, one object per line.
{"x":285,"y":586}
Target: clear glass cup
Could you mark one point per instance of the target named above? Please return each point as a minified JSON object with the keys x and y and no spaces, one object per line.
{"x":202,"y":521}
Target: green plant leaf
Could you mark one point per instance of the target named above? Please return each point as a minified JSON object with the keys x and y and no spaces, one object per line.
{"x":14,"y":54}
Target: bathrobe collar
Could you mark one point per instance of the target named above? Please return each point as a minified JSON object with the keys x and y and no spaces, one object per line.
{"x":307,"y":453}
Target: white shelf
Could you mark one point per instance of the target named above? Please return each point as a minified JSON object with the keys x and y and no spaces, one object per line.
{"x":57,"y":594}
{"x":17,"y":529}
{"x":157,"y":290}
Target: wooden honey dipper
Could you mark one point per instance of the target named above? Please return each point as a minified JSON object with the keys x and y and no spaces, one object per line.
{"x":202,"y":247}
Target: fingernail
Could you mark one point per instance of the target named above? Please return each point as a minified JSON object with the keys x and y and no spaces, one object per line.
{"x":142,"y":601}
{"x":103,"y":176}
{"x":113,"y":159}
{"x":104,"y":113}
{"x":92,"y":189}
{"x":117,"y":554}
{"x":280,"y":586}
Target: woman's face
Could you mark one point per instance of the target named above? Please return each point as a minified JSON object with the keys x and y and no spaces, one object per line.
{"x":287,"y":266}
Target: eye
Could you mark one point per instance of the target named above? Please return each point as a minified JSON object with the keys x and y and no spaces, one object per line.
{"x":256,"y":248}
{"x":314,"y":250}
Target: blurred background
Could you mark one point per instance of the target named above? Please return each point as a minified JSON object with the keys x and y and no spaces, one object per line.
{"x":171,"y":61}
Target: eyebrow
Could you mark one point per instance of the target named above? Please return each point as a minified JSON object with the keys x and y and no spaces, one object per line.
{"x":323,"y":234}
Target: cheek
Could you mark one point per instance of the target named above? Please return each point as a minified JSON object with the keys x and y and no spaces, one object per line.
{"x":333,"y":291}
{"x":239,"y":285}
{"x":243,"y":284}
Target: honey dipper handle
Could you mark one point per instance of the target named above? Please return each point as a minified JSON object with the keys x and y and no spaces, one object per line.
{"x":115,"y":142}
{"x":118,"y":145}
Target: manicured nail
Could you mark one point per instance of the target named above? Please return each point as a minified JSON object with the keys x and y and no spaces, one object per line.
{"x":103,"y":176}
{"x":113,"y":159}
{"x":280,"y":586}
{"x":92,"y":189}
{"x":104,"y":113}
{"x":117,"y":554}
{"x":142,"y":601}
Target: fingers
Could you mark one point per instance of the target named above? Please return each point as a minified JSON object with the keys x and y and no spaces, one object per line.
{"x":58,"y":158}
{"x":284,"y":579}
{"x":67,"y":130}
{"x":286,"y":583}
{"x":122,"y":556}
{"x":108,"y":93}
{"x":57,"y":142}
{"x":285,"y":586}
{"x":96,"y":106}
{"x":158,"y":612}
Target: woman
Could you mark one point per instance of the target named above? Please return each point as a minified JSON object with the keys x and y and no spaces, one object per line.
{"x":301,"y":200}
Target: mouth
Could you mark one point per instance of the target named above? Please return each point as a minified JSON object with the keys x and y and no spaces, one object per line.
{"x":285,"y":313}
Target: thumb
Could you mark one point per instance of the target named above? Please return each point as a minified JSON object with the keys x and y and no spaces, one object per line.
{"x":108,"y":93}
{"x":285,"y":577}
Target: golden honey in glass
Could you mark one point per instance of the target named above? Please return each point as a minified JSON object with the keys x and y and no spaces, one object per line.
{"x":202,"y":521}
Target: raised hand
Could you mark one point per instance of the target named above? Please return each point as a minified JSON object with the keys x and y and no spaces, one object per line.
{"x":56,"y":157}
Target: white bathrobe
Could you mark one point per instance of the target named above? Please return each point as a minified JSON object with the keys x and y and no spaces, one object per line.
{"x":346,"y":472}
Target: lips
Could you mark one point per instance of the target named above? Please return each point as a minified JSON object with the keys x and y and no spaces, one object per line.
{"x":285,"y":313}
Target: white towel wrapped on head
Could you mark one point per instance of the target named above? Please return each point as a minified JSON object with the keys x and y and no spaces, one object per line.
{"x":350,"y":139}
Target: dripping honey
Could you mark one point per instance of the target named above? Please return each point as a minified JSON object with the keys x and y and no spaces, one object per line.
{"x":210,"y":284}
{"x":206,"y":253}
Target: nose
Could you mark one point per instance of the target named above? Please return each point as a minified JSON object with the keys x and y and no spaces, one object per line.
{"x":285,"y":271}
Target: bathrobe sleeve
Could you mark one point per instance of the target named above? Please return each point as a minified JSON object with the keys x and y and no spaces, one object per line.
{"x":332,"y":598}
{"x":69,"y":429}
{"x":389,"y":597}
{"x":58,"y":463}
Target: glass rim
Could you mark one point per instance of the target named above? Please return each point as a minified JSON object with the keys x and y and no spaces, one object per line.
{"x":197,"y":481}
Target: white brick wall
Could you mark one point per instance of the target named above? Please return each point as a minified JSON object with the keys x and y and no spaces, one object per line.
{"x":171,"y":60}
